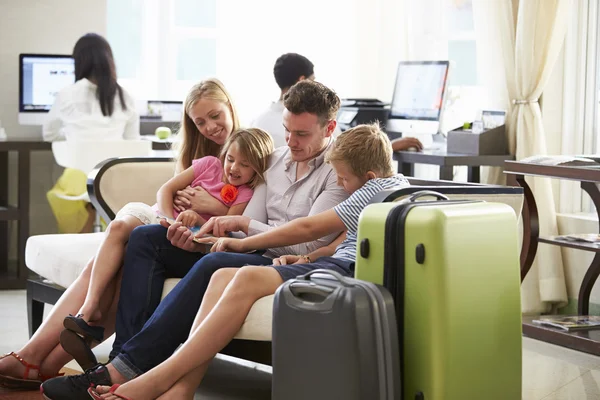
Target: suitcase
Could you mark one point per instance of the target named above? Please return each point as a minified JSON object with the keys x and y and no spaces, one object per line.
{"x":453,"y":270}
{"x":334,"y":338}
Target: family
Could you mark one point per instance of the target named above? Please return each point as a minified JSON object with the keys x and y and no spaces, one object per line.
{"x":276,"y":212}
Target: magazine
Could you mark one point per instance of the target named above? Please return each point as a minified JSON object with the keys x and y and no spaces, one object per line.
{"x":567,"y":161}
{"x":570,"y":323}
{"x":582,"y":237}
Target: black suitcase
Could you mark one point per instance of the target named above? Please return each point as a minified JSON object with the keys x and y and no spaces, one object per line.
{"x":334,"y":338}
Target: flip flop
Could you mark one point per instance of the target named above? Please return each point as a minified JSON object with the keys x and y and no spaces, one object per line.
{"x":24,"y":383}
{"x":97,"y":396}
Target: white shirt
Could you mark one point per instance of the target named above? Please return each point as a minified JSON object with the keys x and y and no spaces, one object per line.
{"x":76,"y":115}
{"x":271,"y":121}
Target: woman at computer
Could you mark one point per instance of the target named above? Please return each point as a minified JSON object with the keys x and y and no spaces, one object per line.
{"x":95,"y":107}
{"x":209,"y":118}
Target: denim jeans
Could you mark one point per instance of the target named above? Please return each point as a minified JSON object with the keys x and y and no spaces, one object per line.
{"x":172,"y":320}
{"x":149,"y":260}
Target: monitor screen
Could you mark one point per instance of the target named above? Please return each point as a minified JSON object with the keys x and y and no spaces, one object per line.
{"x":42,"y":76}
{"x":419,"y":90}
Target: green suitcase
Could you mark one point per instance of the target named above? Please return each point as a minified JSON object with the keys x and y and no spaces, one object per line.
{"x":453,"y":269}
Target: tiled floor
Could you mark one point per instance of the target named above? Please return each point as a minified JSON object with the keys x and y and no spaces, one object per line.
{"x":549,"y":372}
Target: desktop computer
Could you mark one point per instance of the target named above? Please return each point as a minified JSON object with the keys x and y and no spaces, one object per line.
{"x":418,"y":102}
{"x":41,"y":77}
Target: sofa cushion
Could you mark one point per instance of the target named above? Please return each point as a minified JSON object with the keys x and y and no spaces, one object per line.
{"x":258,"y":322}
{"x":61,"y":257}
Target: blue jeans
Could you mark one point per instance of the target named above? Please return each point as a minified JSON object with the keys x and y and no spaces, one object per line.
{"x":172,"y":320}
{"x":149,"y":260}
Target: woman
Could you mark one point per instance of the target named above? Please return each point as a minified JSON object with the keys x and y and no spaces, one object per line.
{"x":95,"y":108}
{"x":209,"y":118}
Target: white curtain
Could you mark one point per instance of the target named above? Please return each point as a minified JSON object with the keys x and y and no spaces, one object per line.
{"x":524,"y":39}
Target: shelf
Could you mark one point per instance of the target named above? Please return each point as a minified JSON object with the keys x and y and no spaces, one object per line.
{"x":595,"y":247}
{"x":9,"y":213}
{"x":587,"y":341}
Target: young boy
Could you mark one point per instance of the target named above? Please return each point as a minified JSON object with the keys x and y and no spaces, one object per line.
{"x":362,"y":160}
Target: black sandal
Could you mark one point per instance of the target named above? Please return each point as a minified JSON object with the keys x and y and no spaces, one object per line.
{"x":79,"y":326}
{"x":79,"y":348}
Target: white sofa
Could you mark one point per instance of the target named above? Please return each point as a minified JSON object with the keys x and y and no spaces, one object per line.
{"x":61,"y":258}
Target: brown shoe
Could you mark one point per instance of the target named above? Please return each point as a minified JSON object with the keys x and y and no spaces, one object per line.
{"x":79,"y":348}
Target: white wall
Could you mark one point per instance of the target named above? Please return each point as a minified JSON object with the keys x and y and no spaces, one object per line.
{"x":38,"y":26}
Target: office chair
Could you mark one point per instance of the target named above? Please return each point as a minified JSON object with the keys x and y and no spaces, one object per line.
{"x":84,"y":155}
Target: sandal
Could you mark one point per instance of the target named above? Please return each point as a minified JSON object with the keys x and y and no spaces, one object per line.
{"x":24,"y":383}
{"x":79,"y":348}
{"x":79,"y":326}
{"x":97,"y":396}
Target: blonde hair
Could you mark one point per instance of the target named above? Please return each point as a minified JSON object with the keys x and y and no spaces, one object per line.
{"x":364,"y":148}
{"x":192,"y":144}
{"x":256,"y":145}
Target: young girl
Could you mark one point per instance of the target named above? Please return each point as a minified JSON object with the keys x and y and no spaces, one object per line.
{"x":230,"y":179}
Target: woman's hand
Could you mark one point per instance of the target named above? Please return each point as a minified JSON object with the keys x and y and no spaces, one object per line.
{"x":188,"y":218}
{"x":199,"y":200}
{"x":289,"y":259}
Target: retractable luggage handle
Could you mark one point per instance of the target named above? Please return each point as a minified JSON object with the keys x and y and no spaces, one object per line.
{"x":423,"y":193}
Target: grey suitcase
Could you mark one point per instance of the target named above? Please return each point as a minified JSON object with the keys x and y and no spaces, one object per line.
{"x":334,"y":337}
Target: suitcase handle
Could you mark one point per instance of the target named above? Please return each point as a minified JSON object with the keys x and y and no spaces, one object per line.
{"x":424,"y":193}
{"x":302,"y":285}
{"x":299,"y":288}
{"x":339,"y":277}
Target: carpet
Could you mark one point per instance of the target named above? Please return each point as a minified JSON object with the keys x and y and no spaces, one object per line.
{"x":6,"y":394}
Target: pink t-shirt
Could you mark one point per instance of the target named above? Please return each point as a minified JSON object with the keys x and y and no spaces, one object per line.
{"x":208,"y":173}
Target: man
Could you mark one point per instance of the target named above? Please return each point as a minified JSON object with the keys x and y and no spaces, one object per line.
{"x":298,"y":183}
{"x":289,"y":69}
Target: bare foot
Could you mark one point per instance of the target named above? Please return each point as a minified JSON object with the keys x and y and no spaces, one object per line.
{"x":135,"y":389}
{"x":12,"y":367}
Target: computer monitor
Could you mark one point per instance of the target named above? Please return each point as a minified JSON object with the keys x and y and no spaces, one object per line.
{"x":419,"y":94}
{"x":41,"y":77}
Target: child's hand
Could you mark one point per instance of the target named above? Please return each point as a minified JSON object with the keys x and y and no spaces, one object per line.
{"x":223,"y":244}
{"x":188,"y":218}
{"x":289,"y":259}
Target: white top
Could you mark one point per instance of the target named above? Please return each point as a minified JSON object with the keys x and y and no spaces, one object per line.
{"x":76,"y":115}
{"x":283,"y":198}
{"x":271,"y":121}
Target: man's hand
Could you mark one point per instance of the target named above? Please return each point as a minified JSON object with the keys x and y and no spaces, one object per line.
{"x":221,"y":226}
{"x":188,"y":218}
{"x":288,"y":260}
{"x":181,"y":237}
{"x":406,"y":143}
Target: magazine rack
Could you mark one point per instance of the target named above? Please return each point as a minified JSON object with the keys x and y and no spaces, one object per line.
{"x":587,"y":341}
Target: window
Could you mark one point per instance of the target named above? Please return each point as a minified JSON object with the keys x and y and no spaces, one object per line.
{"x":162,"y":47}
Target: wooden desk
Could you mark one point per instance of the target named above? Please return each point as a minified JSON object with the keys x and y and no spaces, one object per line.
{"x":447,"y":162}
{"x":11,"y":278}
{"x":588,"y":341}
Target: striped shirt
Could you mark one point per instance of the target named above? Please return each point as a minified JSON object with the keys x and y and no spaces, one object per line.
{"x":350,"y":209}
